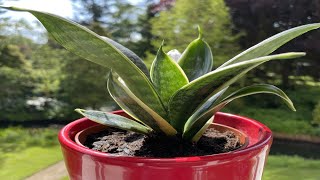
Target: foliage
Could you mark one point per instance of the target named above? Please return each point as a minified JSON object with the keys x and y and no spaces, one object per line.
{"x":40,"y":84}
{"x":279,"y":120}
{"x":272,"y":113}
{"x":46,"y":69}
{"x":15,"y":75}
{"x":82,"y":85}
{"x":16,"y":138}
{"x":250,"y":17}
{"x":316,"y":114}
{"x":117,"y":19}
{"x":176,"y":26}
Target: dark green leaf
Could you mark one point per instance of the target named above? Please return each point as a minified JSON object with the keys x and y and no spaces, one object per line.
{"x":197,"y":59}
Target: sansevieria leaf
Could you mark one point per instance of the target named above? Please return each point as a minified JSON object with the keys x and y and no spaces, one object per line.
{"x":195,"y":123}
{"x":199,"y":134}
{"x":167,"y":76}
{"x":90,"y":46}
{"x":211,"y":83}
{"x":197,"y":59}
{"x":135,"y":107}
{"x":113,"y":120}
{"x":271,"y":44}
{"x":203,"y":108}
{"x":131,"y":55}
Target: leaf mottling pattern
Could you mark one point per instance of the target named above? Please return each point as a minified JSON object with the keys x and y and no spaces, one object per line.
{"x":167,"y":76}
{"x":114,"y":120}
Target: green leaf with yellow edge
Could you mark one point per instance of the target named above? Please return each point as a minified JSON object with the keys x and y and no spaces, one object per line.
{"x":199,"y":134}
{"x":135,"y":107}
{"x":92,"y":47}
{"x":167,"y":76}
{"x":113,"y":120}
{"x":189,"y":97}
{"x":207,"y":105}
{"x":195,"y":123}
{"x":271,"y":44}
{"x":197,"y":59}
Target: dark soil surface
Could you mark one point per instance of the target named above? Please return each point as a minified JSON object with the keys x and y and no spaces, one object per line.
{"x":127,"y":143}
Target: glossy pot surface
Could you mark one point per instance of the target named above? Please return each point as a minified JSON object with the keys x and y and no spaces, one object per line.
{"x":243,"y":164}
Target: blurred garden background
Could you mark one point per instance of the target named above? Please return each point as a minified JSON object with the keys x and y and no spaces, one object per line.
{"x":41,"y":83}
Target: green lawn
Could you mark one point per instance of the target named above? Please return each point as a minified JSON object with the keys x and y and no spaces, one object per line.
{"x":291,"y":168}
{"x":24,"y":163}
{"x":24,"y":151}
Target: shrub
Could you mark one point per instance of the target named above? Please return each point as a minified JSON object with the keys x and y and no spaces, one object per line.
{"x":316,"y":114}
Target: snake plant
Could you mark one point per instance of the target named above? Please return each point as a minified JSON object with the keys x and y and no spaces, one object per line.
{"x":181,"y":93}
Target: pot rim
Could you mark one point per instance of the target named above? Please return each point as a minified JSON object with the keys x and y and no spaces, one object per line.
{"x":67,"y":142}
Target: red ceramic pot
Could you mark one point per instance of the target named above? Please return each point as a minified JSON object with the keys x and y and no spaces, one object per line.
{"x":244,"y":164}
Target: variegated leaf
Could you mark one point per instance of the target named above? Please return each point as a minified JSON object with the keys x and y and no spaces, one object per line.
{"x":196,"y":92}
{"x":196,"y":122}
{"x":113,"y":120}
{"x":167,"y":76}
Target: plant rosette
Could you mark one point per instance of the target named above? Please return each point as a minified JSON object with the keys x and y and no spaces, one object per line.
{"x":178,"y":98}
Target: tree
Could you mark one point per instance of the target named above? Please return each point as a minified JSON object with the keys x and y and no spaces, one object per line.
{"x":84,"y":84}
{"x":16,"y":82}
{"x":11,"y":56}
{"x":261,"y":19}
{"x":116,"y":19}
{"x":47,"y":62}
{"x":178,"y":26}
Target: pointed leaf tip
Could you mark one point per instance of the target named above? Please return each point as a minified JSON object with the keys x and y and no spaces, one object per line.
{"x":78,"y":110}
{"x":162,"y":44}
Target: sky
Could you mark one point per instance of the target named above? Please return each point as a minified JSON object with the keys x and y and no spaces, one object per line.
{"x":58,"y":7}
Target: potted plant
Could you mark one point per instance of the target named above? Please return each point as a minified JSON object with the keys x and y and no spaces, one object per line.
{"x":173,"y":105}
